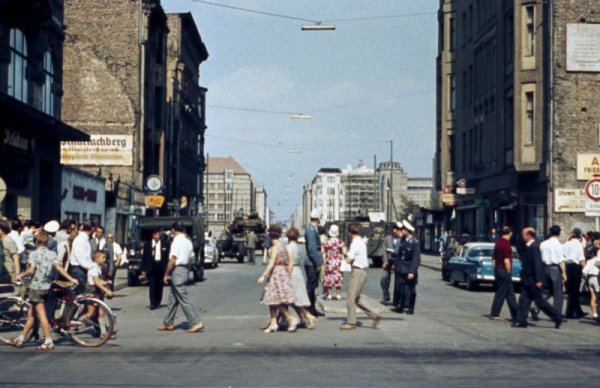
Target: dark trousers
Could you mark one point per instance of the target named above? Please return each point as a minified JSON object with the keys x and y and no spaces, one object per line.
{"x":530,"y":293}
{"x":405,"y":292}
{"x":112,"y":278}
{"x":554,"y":286}
{"x":574,"y":276}
{"x":312,"y":283}
{"x":155,"y":287}
{"x":386,"y":280}
{"x":504,"y":291}
{"x":251,"y":255}
{"x":81,"y":275}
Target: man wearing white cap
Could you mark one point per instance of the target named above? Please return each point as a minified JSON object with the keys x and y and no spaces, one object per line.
{"x":314,"y":260}
{"x":52,"y":227}
{"x":407,"y":266}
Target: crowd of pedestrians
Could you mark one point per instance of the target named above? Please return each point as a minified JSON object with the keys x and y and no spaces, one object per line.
{"x":550,"y":269}
{"x":42,"y":253}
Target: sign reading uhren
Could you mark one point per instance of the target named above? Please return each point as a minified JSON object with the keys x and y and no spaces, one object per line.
{"x":101,"y":150}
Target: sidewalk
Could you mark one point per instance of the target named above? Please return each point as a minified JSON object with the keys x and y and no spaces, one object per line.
{"x":431,"y":261}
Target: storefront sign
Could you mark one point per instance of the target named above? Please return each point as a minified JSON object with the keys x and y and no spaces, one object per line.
{"x":592,"y":209}
{"x":156,"y":201}
{"x":101,"y":150}
{"x":583,"y":47}
{"x":569,"y":200}
{"x":82,"y":194}
{"x":588,"y":166}
{"x":16,"y":140}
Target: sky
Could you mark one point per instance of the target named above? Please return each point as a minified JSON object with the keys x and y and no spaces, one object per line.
{"x":364,"y":84}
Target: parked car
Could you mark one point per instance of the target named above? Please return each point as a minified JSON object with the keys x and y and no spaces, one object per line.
{"x":211,"y":254}
{"x":194,"y":227}
{"x":473,"y":266}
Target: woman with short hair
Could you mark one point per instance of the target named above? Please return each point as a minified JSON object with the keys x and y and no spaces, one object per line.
{"x":298,"y":282}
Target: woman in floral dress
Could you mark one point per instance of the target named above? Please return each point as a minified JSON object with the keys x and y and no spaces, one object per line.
{"x":334,"y":251}
{"x":278,"y":292}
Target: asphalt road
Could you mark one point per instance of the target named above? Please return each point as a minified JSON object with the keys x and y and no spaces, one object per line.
{"x":449,"y":342}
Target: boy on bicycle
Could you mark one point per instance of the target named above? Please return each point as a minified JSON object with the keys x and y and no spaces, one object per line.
{"x":99,"y":287}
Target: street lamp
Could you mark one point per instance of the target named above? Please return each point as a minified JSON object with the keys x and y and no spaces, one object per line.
{"x":318,"y":26}
{"x":300,"y":116}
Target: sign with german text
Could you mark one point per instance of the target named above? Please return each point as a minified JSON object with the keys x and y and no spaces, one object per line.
{"x":592,"y":208}
{"x":583,"y":47}
{"x":569,"y":200}
{"x":101,"y":150}
{"x":588,"y":166}
{"x":156,"y":201}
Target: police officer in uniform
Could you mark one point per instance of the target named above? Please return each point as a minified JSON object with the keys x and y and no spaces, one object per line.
{"x":407,"y":266}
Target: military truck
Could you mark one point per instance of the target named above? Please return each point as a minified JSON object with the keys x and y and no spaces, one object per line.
{"x":374,"y":231}
{"x":233,"y":243}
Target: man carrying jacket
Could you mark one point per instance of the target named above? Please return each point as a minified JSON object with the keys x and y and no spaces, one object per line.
{"x":532,"y":281}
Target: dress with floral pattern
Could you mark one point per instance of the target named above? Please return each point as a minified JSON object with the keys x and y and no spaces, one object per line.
{"x":334,"y":251}
{"x":279,"y":287}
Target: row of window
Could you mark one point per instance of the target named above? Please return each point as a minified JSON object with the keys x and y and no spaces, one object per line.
{"x":18,"y":80}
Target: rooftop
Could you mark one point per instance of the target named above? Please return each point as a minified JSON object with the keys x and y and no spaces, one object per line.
{"x":218,"y":165}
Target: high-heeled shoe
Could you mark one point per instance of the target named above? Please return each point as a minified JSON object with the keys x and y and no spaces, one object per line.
{"x":272,"y":328}
{"x":293,"y":326}
{"x":310,"y":321}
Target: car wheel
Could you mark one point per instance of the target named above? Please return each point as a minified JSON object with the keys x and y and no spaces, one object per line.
{"x":471,"y":284}
{"x":132,"y":279}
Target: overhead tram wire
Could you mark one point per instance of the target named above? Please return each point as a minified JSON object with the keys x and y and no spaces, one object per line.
{"x":316,"y":22}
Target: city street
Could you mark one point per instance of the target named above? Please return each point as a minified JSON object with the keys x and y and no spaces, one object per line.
{"x":448,"y":342}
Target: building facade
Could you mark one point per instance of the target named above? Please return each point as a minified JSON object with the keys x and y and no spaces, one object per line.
{"x":32,"y":34}
{"x":186,"y":122}
{"x":511,"y":116}
{"x":419,"y":191}
{"x":360,"y":191}
{"x":228,"y":191}
{"x":392,"y":188}
{"x":115,"y":84}
{"x":83,"y":196}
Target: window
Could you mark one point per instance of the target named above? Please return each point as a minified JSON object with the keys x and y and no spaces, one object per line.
{"x":452,"y":26}
{"x":17,"y":68}
{"x":452,"y":93}
{"x":529,"y":118}
{"x":47,"y":94}
{"x":463,"y":90}
{"x":530,"y":31}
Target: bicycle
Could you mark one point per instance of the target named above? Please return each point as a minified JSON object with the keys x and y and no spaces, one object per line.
{"x":72,"y":322}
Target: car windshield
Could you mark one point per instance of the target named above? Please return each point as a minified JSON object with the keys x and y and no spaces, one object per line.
{"x":481,"y":252}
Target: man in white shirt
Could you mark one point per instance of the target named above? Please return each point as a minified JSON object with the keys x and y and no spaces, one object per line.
{"x":176,"y":275}
{"x":357,"y":257}
{"x":554,"y":266}
{"x":15,"y":235}
{"x":574,"y":262}
{"x":80,"y":260}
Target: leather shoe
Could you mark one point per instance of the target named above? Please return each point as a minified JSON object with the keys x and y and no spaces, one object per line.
{"x":318,"y":314}
{"x":165,"y":328}
{"x":399,"y":311}
{"x":410,"y":312}
{"x":198,"y":327}
{"x":534,"y":314}
{"x":557,"y":323}
{"x":521,"y":325}
{"x":376,"y":321}
{"x":347,"y":327}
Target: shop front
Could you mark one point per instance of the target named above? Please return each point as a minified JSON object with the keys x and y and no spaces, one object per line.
{"x":83,"y":196}
{"x":30,"y":160}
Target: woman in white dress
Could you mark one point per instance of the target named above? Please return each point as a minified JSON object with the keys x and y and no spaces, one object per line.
{"x":298,"y":281}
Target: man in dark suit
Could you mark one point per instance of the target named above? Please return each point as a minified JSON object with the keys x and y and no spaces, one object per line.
{"x":155,"y":255}
{"x":532,"y":275}
{"x":389,"y":244}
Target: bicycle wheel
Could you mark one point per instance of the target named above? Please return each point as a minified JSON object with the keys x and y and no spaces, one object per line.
{"x":92,"y":331}
{"x":13,"y":315}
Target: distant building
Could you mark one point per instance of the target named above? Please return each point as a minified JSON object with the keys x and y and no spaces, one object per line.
{"x":391,"y":201}
{"x":360,"y":191}
{"x":186,"y":111}
{"x":228,"y":189}
{"x":327,"y":194}
{"x":517,"y":103}
{"x":31,"y":90}
{"x":419,"y":190}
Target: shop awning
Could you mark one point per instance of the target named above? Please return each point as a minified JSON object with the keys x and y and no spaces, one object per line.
{"x":39,"y":124}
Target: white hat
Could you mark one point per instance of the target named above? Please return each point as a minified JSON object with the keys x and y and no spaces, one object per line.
{"x":316,"y":214}
{"x":334,"y":231}
{"x":52,"y":227}
{"x":408,"y":226}
{"x":399,"y":225}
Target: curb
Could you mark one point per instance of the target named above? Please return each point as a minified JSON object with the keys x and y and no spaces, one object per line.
{"x":431,"y":266}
